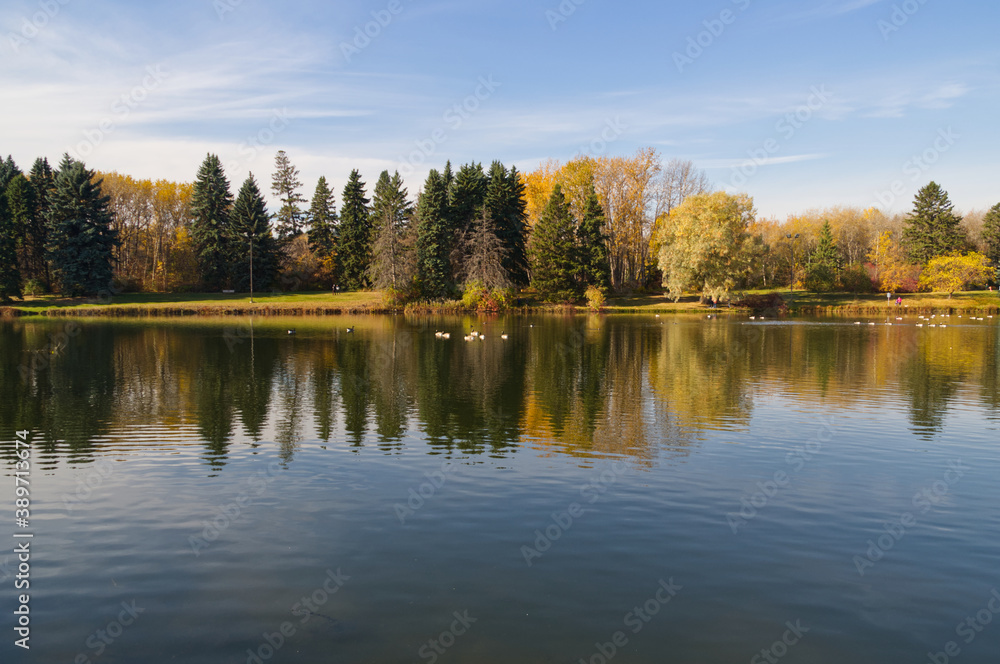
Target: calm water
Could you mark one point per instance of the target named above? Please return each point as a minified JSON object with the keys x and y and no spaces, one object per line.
{"x":638,"y":489}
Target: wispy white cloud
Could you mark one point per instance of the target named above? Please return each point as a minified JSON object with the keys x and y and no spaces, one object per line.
{"x":767,"y":161}
{"x":897,"y":101}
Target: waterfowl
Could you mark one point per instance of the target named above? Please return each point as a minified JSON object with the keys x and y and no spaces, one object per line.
{"x":503,"y":335}
{"x":350,"y":330}
{"x":291,"y":331}
{"x":446,"y":335}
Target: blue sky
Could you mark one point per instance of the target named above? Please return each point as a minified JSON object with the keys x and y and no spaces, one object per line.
{"x":802,"y":104}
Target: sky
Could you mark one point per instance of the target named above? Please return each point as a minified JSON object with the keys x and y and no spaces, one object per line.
{"x":803,"y":104}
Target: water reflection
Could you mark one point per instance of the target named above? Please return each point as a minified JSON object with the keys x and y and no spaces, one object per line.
{"x":582,"y":385}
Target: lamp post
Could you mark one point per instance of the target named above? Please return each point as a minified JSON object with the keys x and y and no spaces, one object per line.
{"x":251,"y":267}
{"x":791,"y":267}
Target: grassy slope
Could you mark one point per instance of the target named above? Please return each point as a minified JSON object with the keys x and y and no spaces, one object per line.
{"x":144,"y":304}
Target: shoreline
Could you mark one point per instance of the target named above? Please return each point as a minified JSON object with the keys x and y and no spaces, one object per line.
{"x":14,"y":311}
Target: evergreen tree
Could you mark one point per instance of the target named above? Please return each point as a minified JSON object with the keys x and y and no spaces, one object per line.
{"x":251,"y":240}
{"x":354,"y":250}
{"x":821,"y":274}
{"x":485,"y":255}
{"x":391,"y":265}
{"x":81,"y":239}
{"x":592,"y":245}
{"x":22,"y":209}
{"x":211,"y":203}
{"x":991,"y":235}
{"x":506,"y":204}
{"x":10,"y":275}
{"x":553,"y":267}
{"x":932,"y":229}
{"x":285,"y":185}
{"x":323,"y":221}
{"x":449,"y":178}
{"x":36,"y":230}
{"x":434,"y":239}
{"x":466,"y":196}
{"x":8,"y":171}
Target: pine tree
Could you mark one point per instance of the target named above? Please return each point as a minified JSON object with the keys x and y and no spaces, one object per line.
{"x":323,"y":221}
{"x":36,"y":231}
{"x":466,"y":196}
{"x":391,"y":265}
{"x":991,"y":235}
{"x":10,"y":275}
{"x":824,"y":263}
{"x":22,"y":209}
{"x":211,"y":203}
{"x":592,"y":245}
{"x":81,"y":239}
{"x":434,"y":239}
{"x":449,"y":178}
{"x":506,"y":204}
{"x":484,"y":255}
{"x":932,"y":229}
{"x":255,"y":250}
{"x":354,"y":250}
{"x":285,"y":185}
{"x":8,"y":170}
{"x":553,"y":267}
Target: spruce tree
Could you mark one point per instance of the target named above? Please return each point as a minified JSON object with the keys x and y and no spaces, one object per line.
{"x":10,"y":275}
{"x":391,"y":265}
{"x":466,"y":196}
{"x":932,"y":229}
{"x":821,"y":274}
{"x":8,"y":170}
{"x":211,"y":203}
{"x":251,"y":240}
{"x":506,"y":204}
{"x":434,"y":239}
{"x":484,"y":255}
{"x":285,"y":185}
{"x":553,"y":267}
{"x":36,"y":229}
{"x":22,"y":210}
{"x":991,"y":235}
{"x":354,"y":249}
{"x":323,"y":221}
{"x":81,"y":239}
{"x":592,"y":245}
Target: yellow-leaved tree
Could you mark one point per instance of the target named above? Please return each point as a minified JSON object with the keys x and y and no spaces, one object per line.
{"x":705,"y":244}
{"x":893,"y":272}
{"x":948,"y":274}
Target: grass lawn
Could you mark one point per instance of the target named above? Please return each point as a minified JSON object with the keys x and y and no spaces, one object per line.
{"x":167,"y":304}
{"x":199,"y":301}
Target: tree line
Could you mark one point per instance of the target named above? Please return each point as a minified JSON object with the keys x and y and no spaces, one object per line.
{"x":610,"y":224}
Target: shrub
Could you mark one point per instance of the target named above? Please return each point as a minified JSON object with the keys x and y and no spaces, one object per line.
{"x":820,"y":279}
{"x":771,"y":302}
{"x":476,"y":296}
{"x":595,"y":298}
{"x":34,"y":287}
{"x":855,"y":279}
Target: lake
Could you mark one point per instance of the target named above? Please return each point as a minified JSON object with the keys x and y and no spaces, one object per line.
{"x":626,"y":488}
